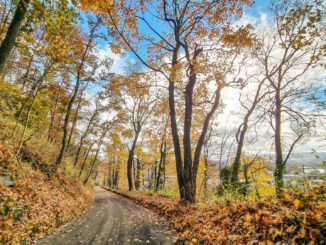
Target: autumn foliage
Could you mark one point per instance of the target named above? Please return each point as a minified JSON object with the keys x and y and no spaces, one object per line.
{"x":37,"y":206}
{"x":199,"y":100}
{"x":297,"y":218}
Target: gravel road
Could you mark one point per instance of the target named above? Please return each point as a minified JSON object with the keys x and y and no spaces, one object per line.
{"x":113,"y":220}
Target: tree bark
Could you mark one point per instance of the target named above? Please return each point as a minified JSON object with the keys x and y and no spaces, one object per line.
{"x":188,"y":171}
{"x":76,"y":116}
{"x":242,"y":130}
{"x":12,"y":33}
{"x":129,"y":161}
{"x":163,"y":152}
{"x":237,"y":159}
{"x":137,"y":176}
{"x":81,"y":142}
{"x":174,"y":129}
{"x":203,"y":134}
{"x":279,"y":170}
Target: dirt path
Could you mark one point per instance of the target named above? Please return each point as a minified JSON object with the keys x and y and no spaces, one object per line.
{"x":113,"y":220}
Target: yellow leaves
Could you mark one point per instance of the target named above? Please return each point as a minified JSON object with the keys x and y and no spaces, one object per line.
{"x":241,"y":36}
{"x":297,"y":204}
{"x":248,"y":217}
{"x":291,"y":228}
{"x":268,"y":242}
{"x":175,"y":74}
{"x":194,"y":240}
{"x":185,"y":233}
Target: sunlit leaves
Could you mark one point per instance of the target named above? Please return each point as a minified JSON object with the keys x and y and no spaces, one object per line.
{"x":293,"y":219}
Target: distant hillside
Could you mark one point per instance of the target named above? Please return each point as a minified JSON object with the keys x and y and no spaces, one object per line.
{"x":297,"y":160}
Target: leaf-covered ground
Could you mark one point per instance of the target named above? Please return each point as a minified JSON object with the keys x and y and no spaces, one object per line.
{"x":298,"y":218}
{"x":36,"y":206}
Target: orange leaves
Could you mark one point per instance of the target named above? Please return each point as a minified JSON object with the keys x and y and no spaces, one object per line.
{"x":5,"y":156}
{"x":176,"y":72}
{"x":7,"y":164}
{"x":241,"y":36}
{"x":266,"y":222}
{"x":36,"y":206}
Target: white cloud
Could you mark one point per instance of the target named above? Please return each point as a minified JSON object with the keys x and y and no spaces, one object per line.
{"x":119,"y":61}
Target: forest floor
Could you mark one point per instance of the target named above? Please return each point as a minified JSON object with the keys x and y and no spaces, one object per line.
{"x":297,"y":218}
{"x":114,"y":220}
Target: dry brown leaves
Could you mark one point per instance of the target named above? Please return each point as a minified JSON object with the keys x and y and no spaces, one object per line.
{"x":37,"y":206}
{"x":298,"y":218}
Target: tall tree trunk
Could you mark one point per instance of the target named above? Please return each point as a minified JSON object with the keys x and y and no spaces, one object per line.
{"x":163,"y":152}
{"x":110,"y":173}
{"x":237,"y":159}
{"x":174,"y":127}
{"x":137,"y":176}
{"x":76,"y":116}
{"x":12,"y":33}
{"x":130,"y":160}
{"x":161,"y":164}
{"x":188,"y":171}
{"x":202,"y":136}
{"x":116,"y":178}
{"x":73,"y":126}
{"x":206,"y":173}
{"x":65,"y":125}
{"x":164,"y":173}
{"x":93,"y":163}
{"x":242,"y":130}
{"x":279,"y":170}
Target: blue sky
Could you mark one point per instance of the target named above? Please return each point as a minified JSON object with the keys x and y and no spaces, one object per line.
{"x":259,"y":7}
{"x":253,"y":13}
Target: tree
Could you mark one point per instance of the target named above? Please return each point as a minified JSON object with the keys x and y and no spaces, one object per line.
{"x":133,"y":95}
{"x":292,"y":48}
{"x":90,"y":125}
{"x":164,"y":149}
{"x":258,"y":96}
{"x":12,"y":32}
{"x":104,"y":131}
{"x":79,"y":70}
{"x":116,"y":155}
{"x":38,"y":46}
{"x":191,"y":27}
